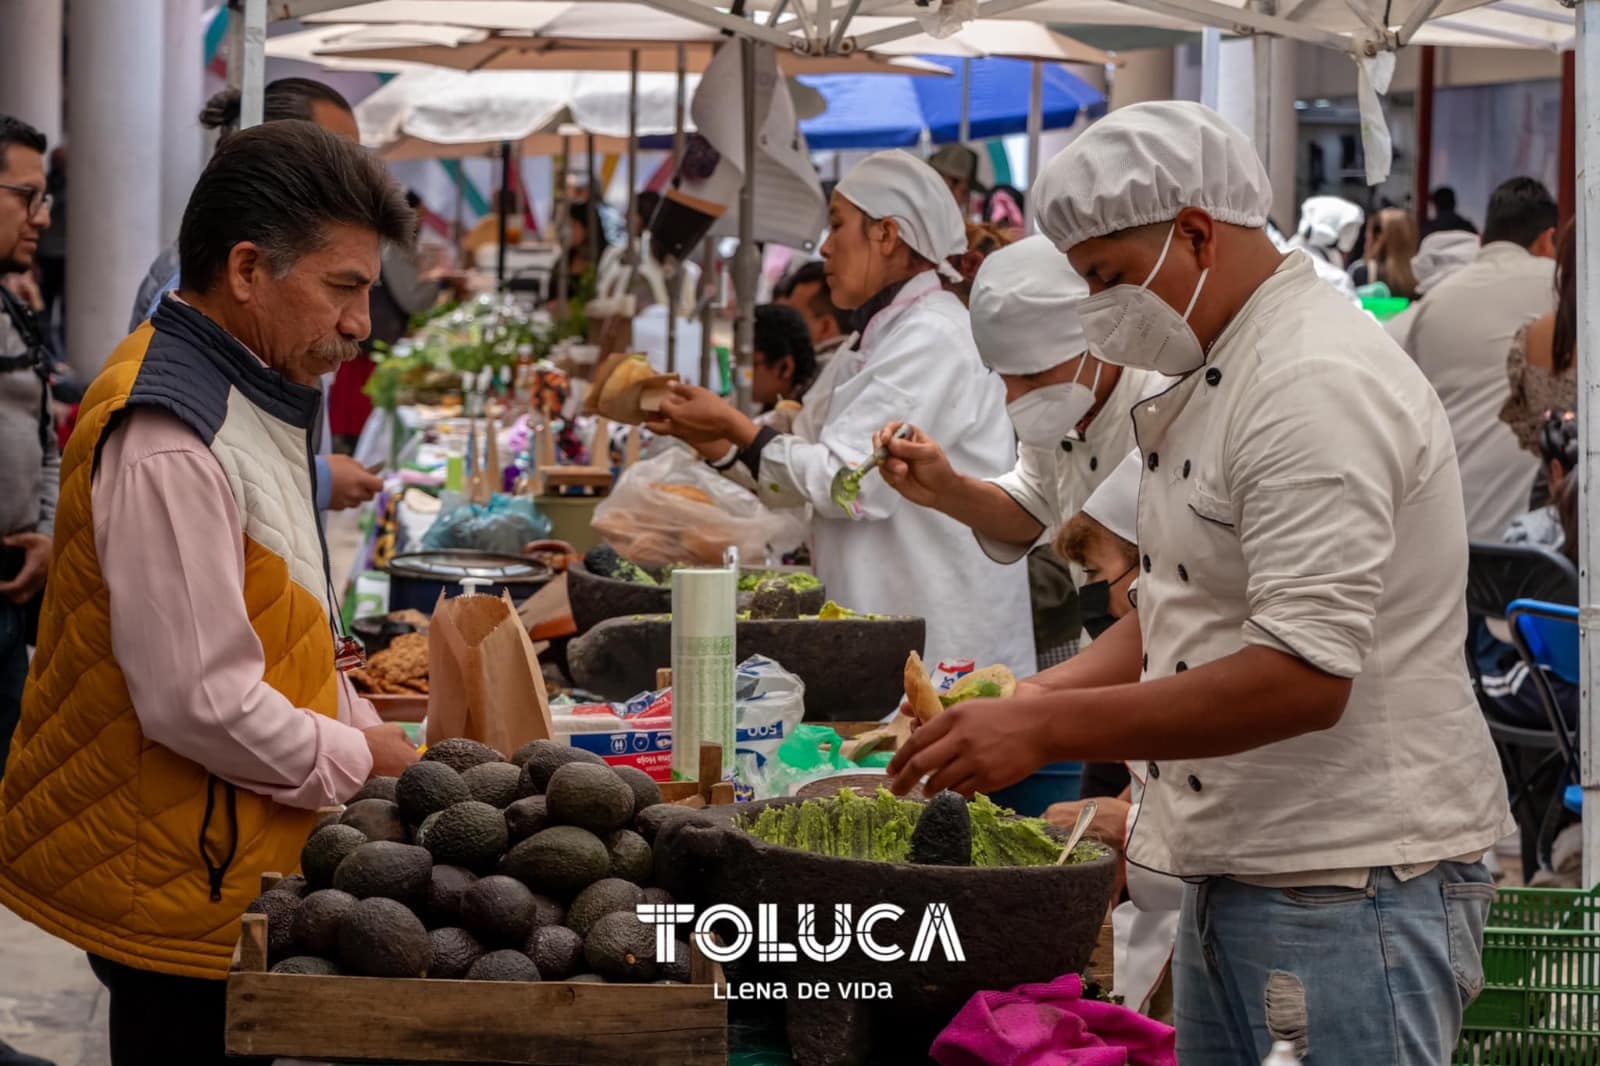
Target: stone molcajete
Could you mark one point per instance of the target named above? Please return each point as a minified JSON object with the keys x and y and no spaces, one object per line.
{"x":595,"y":598}
{"x":852,"y":667}
{"x":1016,"y":924}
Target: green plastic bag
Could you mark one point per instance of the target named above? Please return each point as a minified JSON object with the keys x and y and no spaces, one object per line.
{"x":810,"y":752}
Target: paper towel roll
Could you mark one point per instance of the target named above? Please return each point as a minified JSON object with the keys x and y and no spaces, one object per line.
{"x":704,"y":604}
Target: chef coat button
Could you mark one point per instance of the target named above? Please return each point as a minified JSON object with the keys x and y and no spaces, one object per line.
{"x":1145,"y":662}
{"x":1153,"y":461}
{"x":1094,"y":462}
{"x":1183,"y":575}
{"x":1155,"y":771}
{"x":1186,"y":468}
{"x":1194,"y":783}
{"x":1147,"y":564}
{"x":1213,"y":376}
{"x":1066,"y":445}
{"x":1181,"y":667}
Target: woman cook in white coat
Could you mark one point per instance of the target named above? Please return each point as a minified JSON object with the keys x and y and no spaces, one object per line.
{"x":892,"y":226}
{"x":1069,"y":409}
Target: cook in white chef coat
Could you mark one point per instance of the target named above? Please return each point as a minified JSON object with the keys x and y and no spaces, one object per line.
{"x":1293,"y":673}
{"x":893,"y":227}
{"x":1069,"y":409}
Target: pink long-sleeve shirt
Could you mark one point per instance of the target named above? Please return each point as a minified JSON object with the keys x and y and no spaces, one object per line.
{"x":172,"y":556}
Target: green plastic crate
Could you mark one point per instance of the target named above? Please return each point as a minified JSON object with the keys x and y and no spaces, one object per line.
{"x":1540,"y":1004}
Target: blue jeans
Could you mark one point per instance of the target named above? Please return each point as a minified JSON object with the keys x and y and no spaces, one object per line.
{"x":13,"y":672}
{"x":1373,"y":975}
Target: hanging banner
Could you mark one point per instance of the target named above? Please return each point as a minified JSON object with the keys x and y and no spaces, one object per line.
{"x":790,"y":207}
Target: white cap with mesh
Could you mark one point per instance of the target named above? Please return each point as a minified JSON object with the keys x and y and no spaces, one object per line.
{"x":1115,"y":502}
{"x":1024,"y":308}
{"x":1144,"y":163}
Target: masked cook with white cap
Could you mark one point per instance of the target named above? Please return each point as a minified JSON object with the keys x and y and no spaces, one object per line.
{"x":892,"y":229}
{"x":1319,"y":771}
{"x":1069,"y":409}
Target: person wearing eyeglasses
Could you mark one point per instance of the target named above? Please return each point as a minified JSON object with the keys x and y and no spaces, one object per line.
{"x":30,"y":468}
{"x":29,"y":465}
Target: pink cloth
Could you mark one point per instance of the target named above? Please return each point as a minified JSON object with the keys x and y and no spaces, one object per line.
{"x":166,"y":529}
{"x":1052,"y":1025}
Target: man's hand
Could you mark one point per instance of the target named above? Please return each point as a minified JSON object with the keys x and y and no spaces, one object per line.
{"x":352,"y":485}
{"x":24,"y":288}
{"x":917,"y":468}
{"x":1109,"y":825}
{"x":35,"y":563}
{"x":391,"y":751}
{"x":975,"y":746}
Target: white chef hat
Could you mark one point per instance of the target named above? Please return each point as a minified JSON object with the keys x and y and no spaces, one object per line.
{"x":1115,"y":502}
{"x":1331,"y":221}
{"x":1143,"y":164}
{"x":1442,"y":254}
{"x":898,"y":185}
{"x":1024,"y":308}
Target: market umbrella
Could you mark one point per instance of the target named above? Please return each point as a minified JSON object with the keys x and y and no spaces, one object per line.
{"x":530,"y":35}
{"x":888,"y":111}
{"x":433,"y":113}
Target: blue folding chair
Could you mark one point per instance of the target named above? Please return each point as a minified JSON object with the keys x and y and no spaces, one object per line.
{"x":1531,"y":756}
{"x":1546,"y":638}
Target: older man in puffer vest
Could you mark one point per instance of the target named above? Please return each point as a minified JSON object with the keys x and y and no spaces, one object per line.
{"x":183,"y":716}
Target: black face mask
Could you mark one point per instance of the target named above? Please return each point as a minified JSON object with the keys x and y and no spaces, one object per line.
{"x":1094,"y":606}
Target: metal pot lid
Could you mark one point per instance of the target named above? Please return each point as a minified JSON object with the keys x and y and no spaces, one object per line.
{"x":452,"y":565}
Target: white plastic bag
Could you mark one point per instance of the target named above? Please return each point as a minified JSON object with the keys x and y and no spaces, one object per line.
{"x":771,"y":702}
{"x":944,"y":18}
{"x":673,"y":508}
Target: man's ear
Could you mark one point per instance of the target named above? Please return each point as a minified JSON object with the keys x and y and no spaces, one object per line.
{"x":1197,"y":229}
{"x":243,"y":269}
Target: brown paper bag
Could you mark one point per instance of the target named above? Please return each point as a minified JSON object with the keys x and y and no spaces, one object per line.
{"x":484,"y":681}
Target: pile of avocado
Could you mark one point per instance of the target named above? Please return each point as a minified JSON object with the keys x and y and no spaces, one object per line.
{"x":473,"y":866}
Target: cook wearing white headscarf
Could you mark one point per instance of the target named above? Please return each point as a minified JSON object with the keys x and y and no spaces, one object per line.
{"x":1329,"y":227}
{"x":1319,"y":769}
{"x":1069,"y":410}
{"x":898,"y":185}
{"x":892,"y":223}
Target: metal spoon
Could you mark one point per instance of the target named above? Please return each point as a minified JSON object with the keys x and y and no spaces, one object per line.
{"x":847,"y":482}
{"x":1085,"y":816}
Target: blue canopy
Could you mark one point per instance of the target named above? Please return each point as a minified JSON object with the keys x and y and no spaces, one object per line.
{"x":892,"y":110}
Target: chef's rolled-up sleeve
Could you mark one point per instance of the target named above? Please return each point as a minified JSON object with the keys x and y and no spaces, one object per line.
{"x":1320,"y":464}
{"x":1032,"y":486}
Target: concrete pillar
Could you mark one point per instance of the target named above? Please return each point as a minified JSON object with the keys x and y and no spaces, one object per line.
{"x":30,"y":65}
{"x":114,"y":112}
{"x":182,"y":86}
{"x":1283,"y":132}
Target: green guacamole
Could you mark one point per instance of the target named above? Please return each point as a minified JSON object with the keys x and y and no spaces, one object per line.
{"x":880,"y":827}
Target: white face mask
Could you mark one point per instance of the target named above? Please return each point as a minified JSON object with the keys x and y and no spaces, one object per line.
{"x":1043,"y":416}
{"x":1128,"y":325}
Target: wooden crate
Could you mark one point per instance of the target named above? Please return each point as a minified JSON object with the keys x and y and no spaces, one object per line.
{"x":427,"y":1020}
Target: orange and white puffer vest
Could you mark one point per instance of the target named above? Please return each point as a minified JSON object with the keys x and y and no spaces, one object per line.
{"x":108,"y":840}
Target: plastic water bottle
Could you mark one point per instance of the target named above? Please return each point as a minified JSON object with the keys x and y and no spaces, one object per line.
{"x":1282,"y":1054}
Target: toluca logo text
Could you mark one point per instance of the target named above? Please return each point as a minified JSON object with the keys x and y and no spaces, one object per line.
{"x":725,"y":933}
